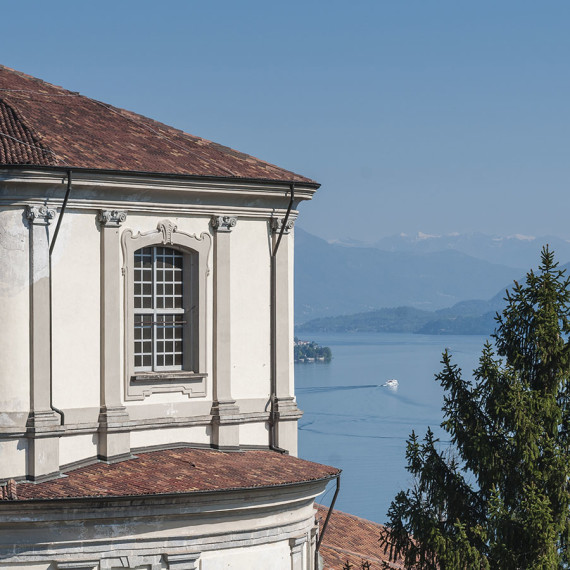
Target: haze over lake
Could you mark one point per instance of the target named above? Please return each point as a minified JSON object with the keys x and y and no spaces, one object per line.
{"x":353,"y":422}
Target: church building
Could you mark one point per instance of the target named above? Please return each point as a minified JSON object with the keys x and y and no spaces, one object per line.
{"x":147,"y":409}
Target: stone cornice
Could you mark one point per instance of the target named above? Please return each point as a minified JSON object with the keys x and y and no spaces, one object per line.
{"x":137,"y":182}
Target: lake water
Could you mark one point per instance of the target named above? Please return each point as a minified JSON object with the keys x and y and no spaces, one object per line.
{"x":352,"y":422}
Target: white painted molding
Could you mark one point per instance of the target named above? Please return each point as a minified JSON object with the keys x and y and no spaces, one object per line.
{"x":191,"y":381}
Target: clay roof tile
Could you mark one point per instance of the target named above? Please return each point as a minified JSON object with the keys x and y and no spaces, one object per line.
{"x":180,"y":470}
{"x":45,"y":125}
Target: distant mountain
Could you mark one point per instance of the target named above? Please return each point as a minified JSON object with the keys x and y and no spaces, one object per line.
{"x":465,"y":317}
{"x":399,"y":319}
{"x":404,"y":320}
{"x":512,"y":251}
{"x":333,"y":279}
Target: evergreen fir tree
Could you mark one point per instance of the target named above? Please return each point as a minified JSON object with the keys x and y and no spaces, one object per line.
{"x":499,"y":497}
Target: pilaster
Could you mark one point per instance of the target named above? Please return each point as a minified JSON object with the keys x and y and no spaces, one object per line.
{"x":313,"y":548}
{"x":114,"y":437}
{"x":225,"y":411}
{"x":287,"y":412}
{"x":43,"y":422}
{"x":298,"y":553}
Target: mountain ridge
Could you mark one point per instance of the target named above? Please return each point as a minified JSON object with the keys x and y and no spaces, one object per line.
{"x":332,"y":279}
{"x":464,"y":318}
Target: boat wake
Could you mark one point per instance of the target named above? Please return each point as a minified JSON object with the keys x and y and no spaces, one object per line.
{"x":319,"y":389}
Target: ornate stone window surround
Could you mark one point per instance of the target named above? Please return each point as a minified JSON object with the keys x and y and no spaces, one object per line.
{"x":191,"y":380}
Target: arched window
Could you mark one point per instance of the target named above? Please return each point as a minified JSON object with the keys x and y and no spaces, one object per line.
{"x":165,"y":275}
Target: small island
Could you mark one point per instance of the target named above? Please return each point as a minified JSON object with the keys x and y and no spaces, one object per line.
{"x":310,"y":351}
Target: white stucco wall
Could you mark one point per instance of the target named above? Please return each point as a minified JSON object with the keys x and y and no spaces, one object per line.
{"x":14,"y":314}
{"x":76,"y":312}
{"x":164,"y":436}
{"x":276,"y":556}
{"x":250,"y":309}
{"x":13,"y":457}
{"x":254,"y":433}
{"x":77,"y":448}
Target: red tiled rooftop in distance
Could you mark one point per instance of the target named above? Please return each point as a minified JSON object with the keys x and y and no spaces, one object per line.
{"x":353,"y":539}
{"x":45,"y":125}
{"x":180,"y":470}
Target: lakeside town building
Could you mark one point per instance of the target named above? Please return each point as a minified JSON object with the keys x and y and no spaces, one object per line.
{"x":147,"y":408}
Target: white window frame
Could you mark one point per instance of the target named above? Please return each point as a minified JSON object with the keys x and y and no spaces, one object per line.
{"x":191,"y":379}
{"x":156,"y":312}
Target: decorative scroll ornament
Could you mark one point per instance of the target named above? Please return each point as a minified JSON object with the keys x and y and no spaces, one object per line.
{"x":277,"y":224}
{"x":223,"y":223}
{"x":41,"y":215}
{"x":112,"y":218}
{"x":167,"y":228}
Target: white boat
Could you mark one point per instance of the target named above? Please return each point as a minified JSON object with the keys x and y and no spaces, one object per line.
{"x":392,"y":383}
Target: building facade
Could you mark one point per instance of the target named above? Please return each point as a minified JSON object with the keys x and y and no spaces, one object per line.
{"x":146,"y":301}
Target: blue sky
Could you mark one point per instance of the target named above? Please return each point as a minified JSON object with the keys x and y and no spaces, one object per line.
{"x":439,"y":116}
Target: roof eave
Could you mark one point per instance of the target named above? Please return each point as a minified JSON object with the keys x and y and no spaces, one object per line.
{"x":167,"y":496}
{"x":166,"y":175}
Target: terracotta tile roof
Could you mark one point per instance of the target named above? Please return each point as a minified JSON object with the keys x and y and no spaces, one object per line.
{"x":180,"y":470}
{"x":46,"y":125}
{"x":354,"y":540}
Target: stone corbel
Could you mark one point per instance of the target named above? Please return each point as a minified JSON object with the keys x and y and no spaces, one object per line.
{"x":223,"y":223}
{"x":41,"y":215}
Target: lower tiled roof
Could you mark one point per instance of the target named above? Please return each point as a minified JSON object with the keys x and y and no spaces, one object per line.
{"x":180,"y":470}
{"x":353,"y":540}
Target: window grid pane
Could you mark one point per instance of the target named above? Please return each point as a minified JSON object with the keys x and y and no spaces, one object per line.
{"x":143,"y":279}
{"x":143,"y":341}
{"x":158,"y":295}
{"x":169,"y":330}
{"x":168,"y":278}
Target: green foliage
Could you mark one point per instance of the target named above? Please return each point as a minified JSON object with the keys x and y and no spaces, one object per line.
{"x":304,"y":350}
{"x":499,"y":498}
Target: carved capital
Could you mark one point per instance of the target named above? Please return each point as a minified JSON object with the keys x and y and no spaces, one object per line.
{"x":111,"y":218}
{"x":277,"y":224}
{"x":167,"y":228}
{"x":223,"y":223}
{"x":39,"y":215}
